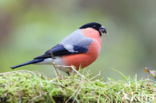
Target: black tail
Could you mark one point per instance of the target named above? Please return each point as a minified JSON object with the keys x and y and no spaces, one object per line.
{"x":27,"y":63}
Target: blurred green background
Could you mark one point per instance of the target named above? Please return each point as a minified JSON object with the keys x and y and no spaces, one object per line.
{"x":30,"y":27}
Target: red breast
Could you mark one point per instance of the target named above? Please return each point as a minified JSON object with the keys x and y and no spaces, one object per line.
{"x":83,"y":60}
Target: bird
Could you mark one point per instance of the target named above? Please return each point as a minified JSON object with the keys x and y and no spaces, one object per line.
{"x":78,"y":50}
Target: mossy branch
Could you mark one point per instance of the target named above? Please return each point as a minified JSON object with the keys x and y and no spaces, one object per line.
{"x":29,"y":87}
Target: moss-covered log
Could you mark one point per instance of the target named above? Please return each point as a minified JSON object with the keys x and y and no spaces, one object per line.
{"x":30,"y":87}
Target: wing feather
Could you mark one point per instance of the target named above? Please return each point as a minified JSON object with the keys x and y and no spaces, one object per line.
{"x":60,"y":50}
{"x":75,"y":43}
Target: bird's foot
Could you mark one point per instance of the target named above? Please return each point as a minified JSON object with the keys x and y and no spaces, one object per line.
{"x":70,"y":70}
{"x":74,"y":71}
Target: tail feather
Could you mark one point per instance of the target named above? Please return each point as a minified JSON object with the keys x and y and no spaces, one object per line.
{"x":28,"y":63}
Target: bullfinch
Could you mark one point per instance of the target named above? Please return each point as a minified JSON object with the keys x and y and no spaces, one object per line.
{"x":79,"y":49}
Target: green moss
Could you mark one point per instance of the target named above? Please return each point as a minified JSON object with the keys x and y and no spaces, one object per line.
{"x":29,"y":87}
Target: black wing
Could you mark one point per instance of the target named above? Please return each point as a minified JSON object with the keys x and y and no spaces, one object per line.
{"x":60,"y":50}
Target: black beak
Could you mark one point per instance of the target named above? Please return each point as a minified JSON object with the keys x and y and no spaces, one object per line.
{"x":103,"y":30}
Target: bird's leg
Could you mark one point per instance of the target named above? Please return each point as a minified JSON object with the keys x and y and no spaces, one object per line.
{"x":56,"y":71}
{"x":63,"y":68}
{"x":75,"y":71}
{"x":71,"y":70}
